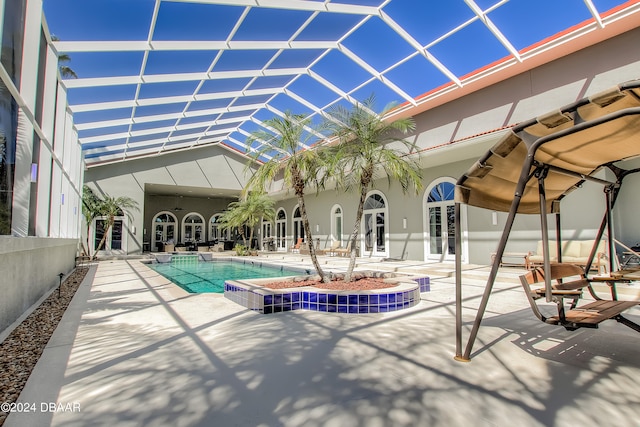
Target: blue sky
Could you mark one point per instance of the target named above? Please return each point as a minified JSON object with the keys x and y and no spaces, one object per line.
{"x":374,"y":57}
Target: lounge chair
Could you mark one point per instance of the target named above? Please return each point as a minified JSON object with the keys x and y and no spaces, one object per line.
{"x":343,"y":251}
{"x":330,"y":250}
{"x":296,"y":248}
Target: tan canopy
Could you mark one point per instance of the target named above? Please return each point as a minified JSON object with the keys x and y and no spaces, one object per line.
{"x":580,"y":138}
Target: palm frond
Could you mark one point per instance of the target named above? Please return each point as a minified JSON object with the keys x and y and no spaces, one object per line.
{"x":66,"y":71}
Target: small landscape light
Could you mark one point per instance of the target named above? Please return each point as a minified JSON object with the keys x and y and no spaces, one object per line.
{"x":60,"y":285}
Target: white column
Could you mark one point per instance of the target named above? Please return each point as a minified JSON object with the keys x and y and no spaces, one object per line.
{"x":61,"y":118}
{"x":79,"y":226}
{"x":56,"y":190}
{"x":44,"y":168}
{"x":64,"y":209}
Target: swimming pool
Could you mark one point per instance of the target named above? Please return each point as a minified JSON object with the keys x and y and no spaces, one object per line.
{"x":209,"y":277}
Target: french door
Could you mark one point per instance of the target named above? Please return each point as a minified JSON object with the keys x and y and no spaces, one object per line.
{"x":113,"y":243}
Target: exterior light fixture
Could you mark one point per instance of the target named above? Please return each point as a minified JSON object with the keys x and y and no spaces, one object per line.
{"x":60,"y":276}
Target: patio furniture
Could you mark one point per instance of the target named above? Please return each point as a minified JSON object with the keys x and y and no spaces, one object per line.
{"x":532,"y":169}
{"x":217,"y":247}
{"x":584,"y":316}
{"x":513,"y":259}
{"x":270,"y":244}
{"x":296,"y":248}
{"x":344,"y":252}
{"x":573,"y":252}
{"x":330,"y":250}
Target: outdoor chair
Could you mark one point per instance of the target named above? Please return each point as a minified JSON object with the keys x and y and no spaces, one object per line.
{"x":568,"y":282}
{"x":343,"y":251}
{"x":296,"y":248}
{"x":331,"y":250}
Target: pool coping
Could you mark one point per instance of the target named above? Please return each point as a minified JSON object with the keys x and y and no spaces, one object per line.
{"x":291,"y":271}
{"x":251,"y":295}
{"x":165,"y":258}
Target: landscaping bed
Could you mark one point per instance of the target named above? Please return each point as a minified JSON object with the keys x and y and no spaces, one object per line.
{"x":20,"y":351}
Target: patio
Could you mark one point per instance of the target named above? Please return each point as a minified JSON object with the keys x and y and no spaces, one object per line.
{"x":134,"y":349}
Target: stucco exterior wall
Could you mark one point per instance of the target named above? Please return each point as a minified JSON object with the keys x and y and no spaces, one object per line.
{"x":205,"y":207}
{"x":211,"y":167}
{"x":29,"y":267}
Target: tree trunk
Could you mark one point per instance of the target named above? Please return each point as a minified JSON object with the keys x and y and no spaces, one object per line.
{"x":87,"y":250}
{"x":104,"y":237}
{"x":354,"y":235}
{"x":251,"y":237}
{"x":312,"y":250}
{"x":244,"y":238}
{"x":298,"y":185}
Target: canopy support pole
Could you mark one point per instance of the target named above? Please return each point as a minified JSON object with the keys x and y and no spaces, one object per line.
{"x":558,"y":236}
{"x":458,"y":233}
{"x":612,"y":250}
{"x":522,"y":182}
{"x":490,"y":281}
{"x":615,"y":189}
{"x":541,"y":174}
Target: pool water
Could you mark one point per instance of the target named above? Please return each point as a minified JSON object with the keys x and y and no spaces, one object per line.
{"x":209,"y":277}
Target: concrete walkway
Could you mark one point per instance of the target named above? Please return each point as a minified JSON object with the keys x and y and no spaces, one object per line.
{"x":135,"y":350}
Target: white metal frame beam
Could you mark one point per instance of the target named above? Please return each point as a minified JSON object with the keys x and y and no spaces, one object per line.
{"x":214,"y":118}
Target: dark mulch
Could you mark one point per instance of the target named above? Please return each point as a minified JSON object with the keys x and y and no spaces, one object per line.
{"x":362,"y":284}
{"x":20,"y":351}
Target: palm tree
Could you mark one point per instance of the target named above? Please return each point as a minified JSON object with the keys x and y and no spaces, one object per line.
{"x":234,"y":217}
{"x":259,"y":208}
{"x":290,"y":160}
{"x":111,"y":207}
{"x":63,"y":58}
{"x":248,"y":211}
{"x":361,"y":155}
{"x":90,"y":210}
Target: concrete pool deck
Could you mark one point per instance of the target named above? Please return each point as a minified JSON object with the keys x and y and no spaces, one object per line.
{"x":135,"y":350}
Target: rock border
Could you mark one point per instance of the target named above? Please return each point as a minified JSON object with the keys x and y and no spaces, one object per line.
{"x":22,"y":348}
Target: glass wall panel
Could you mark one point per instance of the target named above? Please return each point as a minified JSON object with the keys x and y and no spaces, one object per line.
{"x":11,"y":58}
{"x":8,"y":128}
{"x":12,"y":38}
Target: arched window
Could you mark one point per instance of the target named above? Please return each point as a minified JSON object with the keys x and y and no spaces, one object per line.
{"x":216,"y":232}
{"x":298,"y":226}
{"x":440,"y":220}
{"x":336,"y":223}
{"x":374,"y":225}
{"x":164,"y":229}
{"x":281,"y":230}
{"x":192,"y":228}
